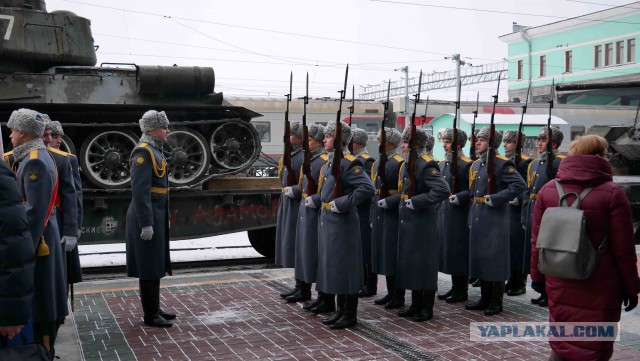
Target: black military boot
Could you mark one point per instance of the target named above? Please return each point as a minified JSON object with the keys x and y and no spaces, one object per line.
{"x":519,"y":284}
{"x":416,"y":304}
{"x":349,"y":316}
{"x":497,"y":294}
{"x":150,"y":299}
{"x":448,"y":294}
{"x":313,"y":303}
{"x":371,"y":284}
{"x":426,"y":311}
{"x":397,"y":300}
{"x":391,"y":287}
{"x":485,"y":297}
{"x":476,"y":283}
{"x":460,"y":290}
{"x":544,"y":301}
{"x":303,"y":293}
{"x":167,"y":316}
{"x":339,"y":310}
{"x":328,"y":304}
{"x":291,"y":291}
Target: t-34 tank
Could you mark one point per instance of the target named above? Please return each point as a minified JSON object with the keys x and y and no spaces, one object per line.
{"x":48,"y":63}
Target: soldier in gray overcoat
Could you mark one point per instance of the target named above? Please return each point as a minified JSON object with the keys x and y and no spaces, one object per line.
{"x":516,"y":285}
{"x":306,"y":246}
{"x":384,"y":218}
{"x":489,"y":223}
{"x":288,"y":207}
{"x":452,"y":218}
{"x":37,"y":180}
{"x":360,"y":139}
{"x":418,"y":251}
{"x":147,"y":223}
{"x":74,"y":270}
{"x":339,"y":244}
{"x":536,"y":178}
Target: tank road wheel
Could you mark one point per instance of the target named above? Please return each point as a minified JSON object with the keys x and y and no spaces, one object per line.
{"x":188,"y":159}
{"x":234,"y":146}
{"x":104,"y":158}
{"x":263,"y":241}
{"x":67,"y":145}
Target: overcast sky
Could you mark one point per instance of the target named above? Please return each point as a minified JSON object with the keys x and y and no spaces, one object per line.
{"x":253,"y":45}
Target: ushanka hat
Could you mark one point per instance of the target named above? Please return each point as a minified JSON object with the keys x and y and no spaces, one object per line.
{"x":462,"y":136}
{"x":27,"y":121}
{"x":421,"y":137}
{"x":484,"y":134}
{"x":393,"y":136}
{"x":360,"y":136}
{"x":296,"y":129}
{"x":316,"y":131}
{"x":330,"y":129}
{"x":556,"y":135}
{"x":54,"y":126}
{"x":153,"y":119}
{"x":510,"y":136}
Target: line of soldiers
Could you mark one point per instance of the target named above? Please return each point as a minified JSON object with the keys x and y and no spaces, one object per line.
{"x":409,"y":239}
{"x":49,"y":183}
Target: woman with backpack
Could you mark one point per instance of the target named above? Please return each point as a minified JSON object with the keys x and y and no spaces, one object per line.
{"x":615,"y":279}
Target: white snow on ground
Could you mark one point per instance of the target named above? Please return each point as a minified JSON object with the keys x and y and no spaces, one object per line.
{"x":228,"y":246}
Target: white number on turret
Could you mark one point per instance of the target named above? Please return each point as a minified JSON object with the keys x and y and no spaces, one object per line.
{"x":7,"y":34}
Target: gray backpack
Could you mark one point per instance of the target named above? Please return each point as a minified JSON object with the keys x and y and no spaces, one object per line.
{"x":564,"y":248}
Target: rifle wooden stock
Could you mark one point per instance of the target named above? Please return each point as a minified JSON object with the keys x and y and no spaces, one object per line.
{"x":288,"y":147}
{"x":413,"y":149}
{"x":454,"y":153}
{"x":492,"y":149}
{"x":382,"y":150}
{"x":312,"y":187}
{"x":472,"y":138}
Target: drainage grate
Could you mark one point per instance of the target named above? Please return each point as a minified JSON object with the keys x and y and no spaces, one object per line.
{"x":391,"y":343}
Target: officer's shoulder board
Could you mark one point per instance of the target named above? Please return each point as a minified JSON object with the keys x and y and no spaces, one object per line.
{"x":398,"y":158}
{"x":58,"y":151}
{"x":365,"y":155}
{"x":561,"y":156}
{"x":33,"y":154}
{"x":9,"y":152}
{"x":427,"y":158}
{"x":524,"y":157}
{"x":465,"y":159}
{"x":7,"y":157}
{"x":501,"y":157}
{"x":349,"y":157}
{"x":324,"y":157}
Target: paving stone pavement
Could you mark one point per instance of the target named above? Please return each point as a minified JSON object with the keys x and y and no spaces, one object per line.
{"x":238,"y":315}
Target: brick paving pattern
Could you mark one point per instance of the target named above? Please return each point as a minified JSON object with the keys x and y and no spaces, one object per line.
{"x":243,"y":318}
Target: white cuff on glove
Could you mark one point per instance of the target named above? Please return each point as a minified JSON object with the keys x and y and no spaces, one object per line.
{"x":308,"y":202}
{"x":454,"y":200}
{"x":147,"y":233}
{"x":334,"y":208}
{"x":288,"y":191}
{"x":515,"y":202}
{"x":409,"y":204}
{"x":383,"y":204}
{"x":487,"y":200}
{"x":69,"y":243}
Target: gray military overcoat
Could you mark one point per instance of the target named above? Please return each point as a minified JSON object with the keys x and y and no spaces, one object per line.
{"x":74,"y":270}
{"x":516,"y":232}
{"x":288,"y":214}
{"x":363,"y":213}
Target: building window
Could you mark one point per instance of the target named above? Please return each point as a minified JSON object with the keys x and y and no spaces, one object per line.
{"x":520,"y":68}
{"x":631,"y":50}
{"x":608,"y":54}
{"x":597,"y":61}
{"x":543,"y":66}
{"x":619,"y":52}
{"x":568,"y":61}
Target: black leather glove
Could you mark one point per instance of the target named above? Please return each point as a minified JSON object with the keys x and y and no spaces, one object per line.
{"x":537,"y":286}
{"x":630,"y":302}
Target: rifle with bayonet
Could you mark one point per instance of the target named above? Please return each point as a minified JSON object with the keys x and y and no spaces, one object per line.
{"x":454,"y":152}
{"x":472,"y":151}
{"x":520,"y":141}
{"x":382,"y":150}
{"x":351,"y":108}
{"x":288,"y":147}
{"x":413,"y":149}
{"x":337,"y":143}
{"x":312,"y":187}
{"x":492,"y":150}
{"x":551,"y":171}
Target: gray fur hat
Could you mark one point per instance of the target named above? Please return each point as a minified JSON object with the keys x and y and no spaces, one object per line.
{"x":556,"y":135}
{"x":421,"y":137}
{"x":393,"y":136}
{"x":430,"y":141}
{"x":296,"y":129}
{"x":27,"y":121}
{"x":462,"y":136}
{"x":316,"y":131}
{"x":153,"y":119}
{"x":484,"y":134}
{"x":330,"y":129}
{"x":510,"y":136}
{"x":54,"y":126}
{"x":360,"y":136}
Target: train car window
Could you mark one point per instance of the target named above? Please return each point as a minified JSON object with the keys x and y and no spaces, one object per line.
{"x":577,"y":131}
{"x":264,"y":130}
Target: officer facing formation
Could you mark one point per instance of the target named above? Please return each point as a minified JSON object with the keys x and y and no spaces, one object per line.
{"x":384,"y":221}
{"x":452,"y":216}
{"x":488,"y":220}
{"x":517,"y":283}
{"x":306,"y":246}
{"x":419,"y":252}
{"x":37,"y":181}
{"x":288,"y":207}
{"x":360,"y":140}
{"x":339,"y":242}
{"x":147,"y":223}
{"x":536,"y":178}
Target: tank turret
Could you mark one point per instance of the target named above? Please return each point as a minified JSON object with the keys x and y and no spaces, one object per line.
{"x":48,"y":63}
